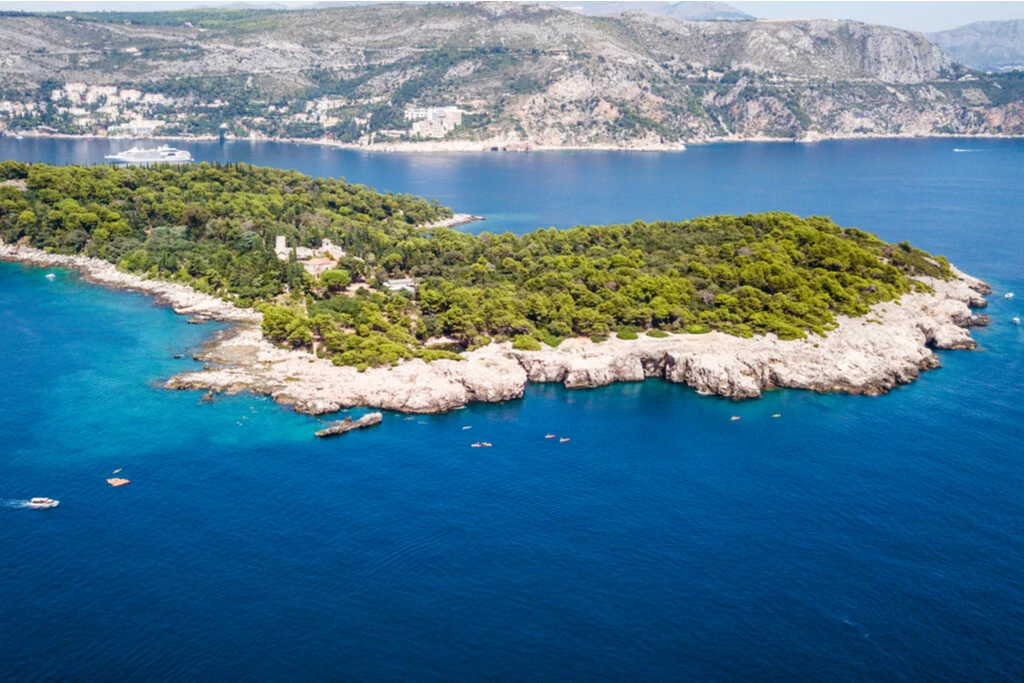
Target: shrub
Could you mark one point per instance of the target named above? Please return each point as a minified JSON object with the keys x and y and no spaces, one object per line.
{"x":552,"y":340}
{"x":626,"y":333}
{"x":697,"y":328}
{"x":436,"y":354}
{"x":657,"y":334}
{"x":523,"y":342}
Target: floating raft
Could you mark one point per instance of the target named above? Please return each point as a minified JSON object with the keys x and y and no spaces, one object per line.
{"x":117,"y":481}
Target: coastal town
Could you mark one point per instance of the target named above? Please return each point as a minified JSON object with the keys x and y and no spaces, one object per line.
{"x":77,"y":108}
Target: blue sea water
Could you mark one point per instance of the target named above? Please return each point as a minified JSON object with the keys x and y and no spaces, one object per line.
{"x":855,"y":538}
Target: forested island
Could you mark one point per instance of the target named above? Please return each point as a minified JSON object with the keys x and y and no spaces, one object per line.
{"x":214,"y":227}
{"x":395,"y":312}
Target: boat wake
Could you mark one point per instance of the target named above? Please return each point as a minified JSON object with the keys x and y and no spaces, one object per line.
{"x":961,"y":149}
{"x":13,"y":503}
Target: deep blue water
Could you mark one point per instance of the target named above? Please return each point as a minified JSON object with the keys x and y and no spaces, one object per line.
{"x":855,"y":538}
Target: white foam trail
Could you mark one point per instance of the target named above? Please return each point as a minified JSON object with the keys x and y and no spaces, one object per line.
{"x":13,"y":503}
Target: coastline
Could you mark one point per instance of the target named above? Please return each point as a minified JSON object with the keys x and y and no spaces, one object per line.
{"x":868,"y":355}
{"x":494,"y":146}
{"x":181,"y":298}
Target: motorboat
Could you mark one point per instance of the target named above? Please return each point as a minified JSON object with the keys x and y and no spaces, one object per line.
{"x":42,"y":503}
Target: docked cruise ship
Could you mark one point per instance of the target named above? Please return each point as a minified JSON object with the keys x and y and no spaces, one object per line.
{"x":141,"y":156}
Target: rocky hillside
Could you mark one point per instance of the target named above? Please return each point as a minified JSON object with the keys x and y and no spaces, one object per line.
{"x":526,"y":75}
{"x":985,"y":44}
{"x":684,"y":11}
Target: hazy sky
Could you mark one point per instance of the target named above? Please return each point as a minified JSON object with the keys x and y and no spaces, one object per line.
{"x":916,"y":16}
{"x":919,"y":16}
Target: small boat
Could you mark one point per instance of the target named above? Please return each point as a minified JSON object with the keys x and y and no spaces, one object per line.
{"x":1016,"y":321}
{"x":117,"y":481}
{"x":116,"y":471}
{"x":476,"y":445}
{"x":777,"y":415}
{"x":51,"y":277}
{"x":486,"y":444}
{"x":563,"y":439}
{"x":466,"y":427}
{"x":1008,"y":295}
{"x":42,"y":503}
{"x":734,"y":418}
{"x":549,"y":436}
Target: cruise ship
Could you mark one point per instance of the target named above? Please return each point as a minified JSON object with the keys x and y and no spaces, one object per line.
{"x":141,"y":156}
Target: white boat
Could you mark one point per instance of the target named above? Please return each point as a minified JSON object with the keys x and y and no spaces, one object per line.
{"x":1008,"y":295}
{"x":42,"y":503}
{"x":1016,"y":321}
{"x":51,"y":276}
{"x":140,"y":156}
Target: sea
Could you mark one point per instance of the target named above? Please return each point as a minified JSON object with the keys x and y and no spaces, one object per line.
{"x":853,"y":538}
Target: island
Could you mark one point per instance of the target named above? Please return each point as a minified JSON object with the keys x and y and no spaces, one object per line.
{"x":344,"y":296}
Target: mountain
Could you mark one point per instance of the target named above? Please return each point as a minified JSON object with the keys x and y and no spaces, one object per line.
{"x":522,"y":76}
{"x":684,"y":11}
{"x":991,"y":45}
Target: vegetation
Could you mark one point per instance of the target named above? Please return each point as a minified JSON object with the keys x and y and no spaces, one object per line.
{"x":214,"y":226}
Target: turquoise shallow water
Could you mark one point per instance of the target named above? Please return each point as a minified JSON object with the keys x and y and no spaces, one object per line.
{"x":855,"y":538}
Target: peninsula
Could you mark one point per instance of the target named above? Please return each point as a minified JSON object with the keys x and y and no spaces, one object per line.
{"x":426,"y":321}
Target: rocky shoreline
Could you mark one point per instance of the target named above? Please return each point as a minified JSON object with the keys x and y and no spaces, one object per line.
{"x":499,"y":145}
{"x":867,"y":355}
{"x":182,"y":298}
{"x":871,"y":354}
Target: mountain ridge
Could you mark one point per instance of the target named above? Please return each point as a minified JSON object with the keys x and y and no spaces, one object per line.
{"x":523,"y":75}
{"x":995,"y":45}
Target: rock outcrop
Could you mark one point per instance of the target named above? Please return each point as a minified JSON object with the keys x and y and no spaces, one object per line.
{"x":348,"y":424}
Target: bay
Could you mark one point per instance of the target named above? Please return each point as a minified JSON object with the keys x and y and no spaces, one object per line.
{"x":854,"y":538}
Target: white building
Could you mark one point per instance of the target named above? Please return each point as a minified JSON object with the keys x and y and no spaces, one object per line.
{"x":144,"y":126}
{"x":434,"y":122}
{"x":401,"y":285}
{"x":328,"y":250}
{"x":98,"y":93}
{"x":156,"y":98}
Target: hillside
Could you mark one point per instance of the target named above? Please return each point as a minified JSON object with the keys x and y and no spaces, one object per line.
{"x":985,"y":44}
{"x":520,"y":75}
{"x":685,"y":11}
